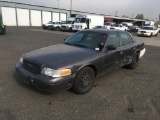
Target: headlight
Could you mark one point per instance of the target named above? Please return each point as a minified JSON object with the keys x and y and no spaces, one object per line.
{"x":56,"y":73}
{"x":21,"y":60}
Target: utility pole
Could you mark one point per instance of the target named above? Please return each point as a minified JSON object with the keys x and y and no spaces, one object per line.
{"x":58,"y":4}
{"x":70,"y":8}
{"x":132,"y":16}
{"x":116,"y":13}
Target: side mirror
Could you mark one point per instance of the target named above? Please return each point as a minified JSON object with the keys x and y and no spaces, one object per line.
{"x":101,"y":45}
{"x":111,"y":47}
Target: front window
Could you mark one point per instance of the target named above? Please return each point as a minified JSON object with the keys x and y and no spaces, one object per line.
{"x":88,"y":39}
{"x":80,"y":20}
{"x":116,"y":25}
{"x":113,"y":39}
{"x":68,"y":22}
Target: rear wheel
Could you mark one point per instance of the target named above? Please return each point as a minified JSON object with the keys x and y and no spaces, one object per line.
{"x":135,"y":60}
{"x":57,"y":28}
{"x":84,"y":80}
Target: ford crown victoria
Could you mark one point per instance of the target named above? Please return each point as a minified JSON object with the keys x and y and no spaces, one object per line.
{"x":79,"y":60}
{"x":148,"y":31}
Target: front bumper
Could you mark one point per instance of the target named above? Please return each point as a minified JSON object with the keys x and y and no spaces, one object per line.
{"x":43,"y":82}
{"x":65,"y":28}
{"x":143,"y":34}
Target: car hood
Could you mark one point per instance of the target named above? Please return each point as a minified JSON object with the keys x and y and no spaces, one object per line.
{"x":60,"y":55}
{"x":114,"y":27}
{"x":66,"y":24}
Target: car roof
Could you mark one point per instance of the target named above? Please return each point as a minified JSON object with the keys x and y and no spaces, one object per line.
{"x":107,"y":31}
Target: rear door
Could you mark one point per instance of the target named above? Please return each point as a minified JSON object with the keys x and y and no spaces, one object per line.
{"x":127,"y":47}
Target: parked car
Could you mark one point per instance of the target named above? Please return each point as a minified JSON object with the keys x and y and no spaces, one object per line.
{"x":2,"y":26}
{"x":46,"y":26}
{"x":79,"y":60}
{"x":148,"y":31}
{"x":119,"y":27}
{"x":108,"y":25}
{"x":133,"y":29}
{"x":67,"y":25}
{"x":159,"y":28}
{"x":99,"y":27}
{"x":55,"y":26}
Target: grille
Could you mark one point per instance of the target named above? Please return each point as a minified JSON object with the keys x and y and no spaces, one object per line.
{"x":64,"y":27}
{"x":143,"y":31}
{"x":32,"y":67}
{"x":77,"y":26}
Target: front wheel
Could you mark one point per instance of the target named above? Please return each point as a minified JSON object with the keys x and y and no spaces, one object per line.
{"x":134,"y":63}
{"x":150,"y":35}
{"x":84,"y":80}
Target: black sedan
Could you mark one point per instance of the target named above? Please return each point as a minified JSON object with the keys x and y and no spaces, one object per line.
{"x":79,"y":60}
{"x":133,"y":29}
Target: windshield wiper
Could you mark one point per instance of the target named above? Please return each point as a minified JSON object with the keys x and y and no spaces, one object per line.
{"x":68,"y":43}
{"x":75,"y":44}
{"x":80,"y":45}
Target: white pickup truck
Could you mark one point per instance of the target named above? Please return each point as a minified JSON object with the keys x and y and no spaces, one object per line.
{"x":148,"y":31}
{"x":46,"y":26}
{"x":67,"y":25}
{"x":55,"y":26}
{"x":118,"y":27}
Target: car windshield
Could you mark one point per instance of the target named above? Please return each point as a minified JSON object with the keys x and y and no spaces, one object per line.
{"x":148,"y":28}
{"x":68,"y":22}
{"x":57,"y":22}
{"x":98,"y":27}
{"x":116,"y":25}
{"x":49,"y":22}
{"x":107,"y":23}
{"x":80,"y":20}
{"x":87,"y":39}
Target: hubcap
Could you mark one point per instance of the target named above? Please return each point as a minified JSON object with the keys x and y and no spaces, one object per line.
{"x":86,"y":80}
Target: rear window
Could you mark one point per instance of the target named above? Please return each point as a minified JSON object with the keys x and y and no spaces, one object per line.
{"x":126,"y":39}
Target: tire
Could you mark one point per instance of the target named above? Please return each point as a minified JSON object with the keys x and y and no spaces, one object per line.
{"x":57,"y":28}
{"x":135,"y":60}
{"x":150,"y":35}
{"x":156,"y":34}
{"x":4,"y":30}
{"x":84,"y":80}
{"x":70,"y":29}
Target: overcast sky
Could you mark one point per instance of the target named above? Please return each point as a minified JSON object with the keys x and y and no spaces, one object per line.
{"x":149,"y":8}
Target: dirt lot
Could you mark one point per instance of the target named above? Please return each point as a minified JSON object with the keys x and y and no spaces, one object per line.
{"x":119,"y":95}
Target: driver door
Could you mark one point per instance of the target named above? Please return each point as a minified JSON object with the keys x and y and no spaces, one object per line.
{"x":112,"y":58}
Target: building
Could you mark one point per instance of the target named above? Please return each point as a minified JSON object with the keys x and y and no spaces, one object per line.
{"x":21,"y":14}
